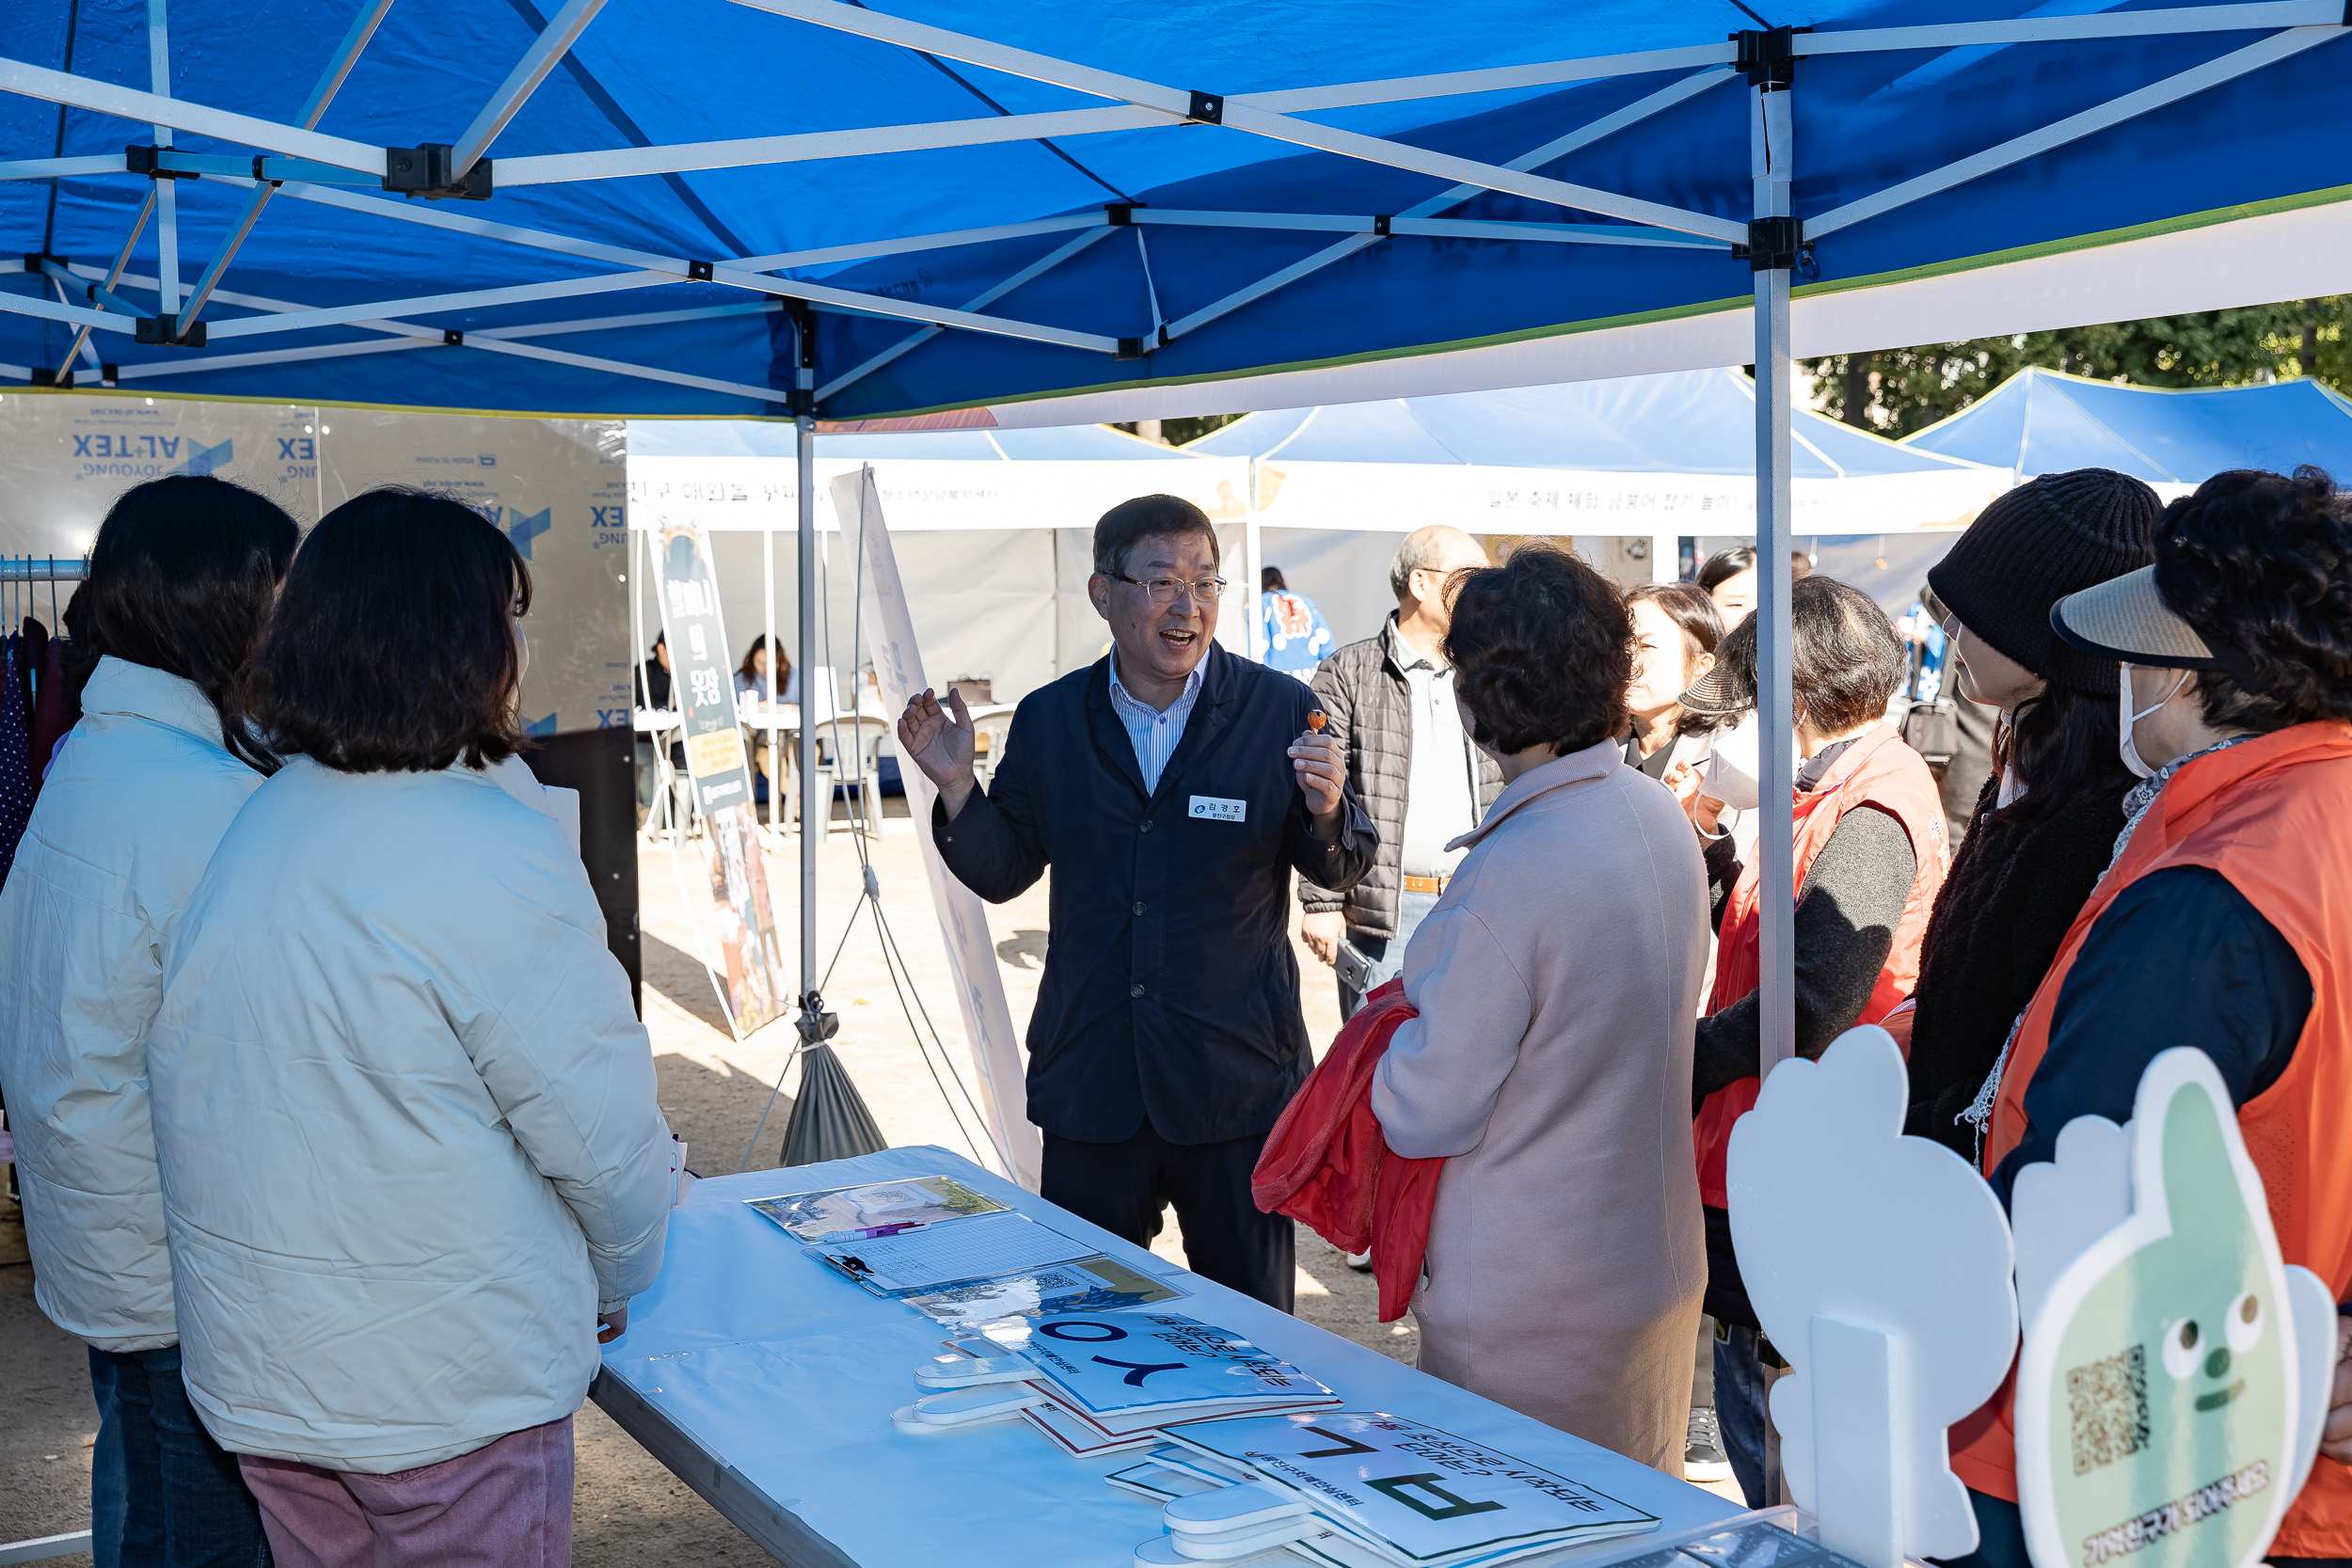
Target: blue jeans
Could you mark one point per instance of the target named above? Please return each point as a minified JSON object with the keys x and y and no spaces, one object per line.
{"x":163,"y":1494}
{"x":1740,"y":1412}
{"x":1385,"y":954}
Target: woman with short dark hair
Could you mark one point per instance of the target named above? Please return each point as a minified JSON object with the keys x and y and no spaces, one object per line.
{"x":1869,"y":855}
{"x":2221,"y":922}
{"x":1556,"y":981}
{"x":403,"y":1108}
{"x":142,"y":788}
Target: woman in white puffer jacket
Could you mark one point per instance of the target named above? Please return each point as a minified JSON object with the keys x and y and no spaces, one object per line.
{"x":404,"y":1110}
{"x":180,"y":583}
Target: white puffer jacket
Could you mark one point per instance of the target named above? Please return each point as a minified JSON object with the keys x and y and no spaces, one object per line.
{"x":406,"y":1121}
{"x":140,"y":793}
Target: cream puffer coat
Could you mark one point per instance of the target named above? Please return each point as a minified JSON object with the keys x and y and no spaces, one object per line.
{"x":140,"y":793}
{"x":405,"y":1118}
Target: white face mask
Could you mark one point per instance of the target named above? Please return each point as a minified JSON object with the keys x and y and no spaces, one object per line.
{"x":2129,"y":748}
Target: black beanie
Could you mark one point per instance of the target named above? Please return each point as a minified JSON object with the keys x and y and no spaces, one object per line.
{"x":2056,"y":535}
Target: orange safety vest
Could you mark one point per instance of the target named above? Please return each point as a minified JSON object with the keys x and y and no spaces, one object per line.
{"x":2274,"y":816}
{"x":1878,"y":771}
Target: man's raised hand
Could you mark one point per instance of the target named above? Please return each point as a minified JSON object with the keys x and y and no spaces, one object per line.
{"x":941,"y":739}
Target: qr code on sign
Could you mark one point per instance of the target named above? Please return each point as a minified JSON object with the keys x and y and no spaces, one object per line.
{"x":2108,"y":1400}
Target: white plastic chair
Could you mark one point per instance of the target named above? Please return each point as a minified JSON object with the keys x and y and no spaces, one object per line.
{"x":990,"y":726}
{"x":849,"y":752}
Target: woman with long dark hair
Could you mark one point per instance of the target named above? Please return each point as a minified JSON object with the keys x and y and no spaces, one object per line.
{"x":404,"y":1110}
{"x":160,"y":763}
{"x":2045,"y":824}
{"x":1676,"y":631}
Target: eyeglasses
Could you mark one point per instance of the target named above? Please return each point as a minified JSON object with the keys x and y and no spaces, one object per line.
{"x":1163,"y":590}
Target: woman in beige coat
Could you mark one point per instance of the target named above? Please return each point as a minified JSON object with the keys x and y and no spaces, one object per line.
{"x":1557,"y":982}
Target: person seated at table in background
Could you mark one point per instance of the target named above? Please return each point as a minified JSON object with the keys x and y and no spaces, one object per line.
{"x":2046,"y":822}
{"x":2220,"y":923}
{"x":180,"y":585}
{"x":1869,"y":855}
{"x":1388,"y":702}
{"x":1676,"y":631}
{"x":1174,"y":789}
{"x":1728,"y":577}
{"x":751,"y":677}
{"x":1549,"y":1061}
{"x":751,"y":698}
{"x":403,"y":1108}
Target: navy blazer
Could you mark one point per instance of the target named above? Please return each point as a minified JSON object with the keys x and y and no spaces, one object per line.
{"x":1170,"y":990}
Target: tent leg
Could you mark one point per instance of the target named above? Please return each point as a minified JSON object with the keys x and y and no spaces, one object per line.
{"x":1771,"y":133}
{"x":1770,"y":148}
{"x":816,"y":1025}
{"x":815,"y":814}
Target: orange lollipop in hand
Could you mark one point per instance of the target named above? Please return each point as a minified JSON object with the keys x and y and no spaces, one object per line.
{"x":1315,"y":720}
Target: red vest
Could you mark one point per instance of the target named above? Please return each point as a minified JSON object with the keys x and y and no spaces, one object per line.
{"x":2274,"y":816}
{"x":1875,"y":771}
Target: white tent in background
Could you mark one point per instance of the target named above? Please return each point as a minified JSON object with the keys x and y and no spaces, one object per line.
{"x":1628,"y":467}
{"x":1001,"y":527}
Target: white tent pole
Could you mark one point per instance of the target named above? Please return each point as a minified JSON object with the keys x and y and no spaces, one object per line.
{"x":2279,"y":46}
{"x":815,"y":814}
{"x":775,"y":759}
{"x":59,"y":86}
{"x":543,"y":55}
{"x":330,"y":82}
{"x":166,"y":191}
{"x":1771,"y":130}
{"x":1664,"y":98}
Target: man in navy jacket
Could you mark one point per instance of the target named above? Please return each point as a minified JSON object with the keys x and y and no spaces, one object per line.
{"x":1174,"y":789}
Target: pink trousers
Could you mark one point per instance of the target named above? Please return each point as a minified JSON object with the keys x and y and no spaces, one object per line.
{"x":505,"y":1506}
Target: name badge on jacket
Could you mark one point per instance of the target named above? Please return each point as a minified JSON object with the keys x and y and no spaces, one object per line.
{"x":1214,"y":809}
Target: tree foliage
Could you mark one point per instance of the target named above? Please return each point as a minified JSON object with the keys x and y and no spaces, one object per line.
{"x":1896,"y":391}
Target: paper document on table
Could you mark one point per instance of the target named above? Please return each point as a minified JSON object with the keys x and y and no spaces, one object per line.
{"x":880,"y":1209}
{"x":941,"y":1255}
{"x":1418,"y":1495}
{"x":1094,"y":1284}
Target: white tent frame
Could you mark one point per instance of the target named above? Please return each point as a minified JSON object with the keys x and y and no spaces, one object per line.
{"x":304,"y":159}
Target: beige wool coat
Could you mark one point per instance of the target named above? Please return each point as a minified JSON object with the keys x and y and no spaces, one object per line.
{"x":1557,"y":982}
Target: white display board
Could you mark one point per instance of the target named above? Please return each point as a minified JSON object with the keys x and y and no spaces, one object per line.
{"x":554,"y":485}
{"x":962,"y":918}
{"x":1880,"y":1266}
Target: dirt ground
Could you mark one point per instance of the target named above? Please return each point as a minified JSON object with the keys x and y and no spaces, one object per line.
{"x":631,"y":1512}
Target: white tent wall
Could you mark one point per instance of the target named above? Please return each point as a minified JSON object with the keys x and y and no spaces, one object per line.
{"x":554,"y":486}
{"x":994,"y":555}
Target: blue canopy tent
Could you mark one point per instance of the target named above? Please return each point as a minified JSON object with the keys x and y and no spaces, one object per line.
{"x":1054,"y":213}
{"x":2041,"y":421}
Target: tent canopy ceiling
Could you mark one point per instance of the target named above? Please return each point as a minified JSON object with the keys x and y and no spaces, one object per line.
{"x":667,"y":172}
{"x":1684,"y":422}
{"x":2040,"y":421}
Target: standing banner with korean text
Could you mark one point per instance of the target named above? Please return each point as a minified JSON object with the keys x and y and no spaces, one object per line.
{"x":750,"y":987}
{"x":962,"y":920}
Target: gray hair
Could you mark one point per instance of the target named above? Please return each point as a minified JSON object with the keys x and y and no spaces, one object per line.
{"x":1420,"y":552}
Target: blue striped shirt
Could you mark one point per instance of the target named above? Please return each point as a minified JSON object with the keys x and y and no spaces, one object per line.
{"x":1154,"y":733}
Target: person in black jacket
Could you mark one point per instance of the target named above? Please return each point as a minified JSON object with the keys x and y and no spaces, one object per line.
{"x":2046,"y":822}
{"x":1390,"y":702}
{"x":1174,"y":789}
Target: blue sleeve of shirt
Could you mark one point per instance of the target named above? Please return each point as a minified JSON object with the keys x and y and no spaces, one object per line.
{"x":2181,"y":958}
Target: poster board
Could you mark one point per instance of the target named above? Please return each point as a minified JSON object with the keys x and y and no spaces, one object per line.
{"x":963,"y":919}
